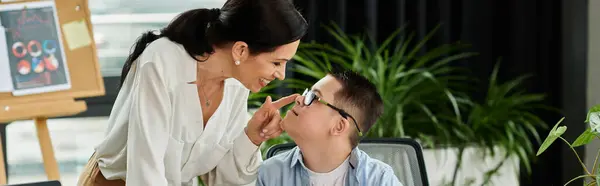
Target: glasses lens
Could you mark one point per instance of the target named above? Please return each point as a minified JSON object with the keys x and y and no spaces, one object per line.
{"x":308,"y":97}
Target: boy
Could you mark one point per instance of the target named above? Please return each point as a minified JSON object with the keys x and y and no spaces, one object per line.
{"x":326,"y":124}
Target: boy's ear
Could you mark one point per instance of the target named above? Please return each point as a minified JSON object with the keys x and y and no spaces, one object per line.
{"x":340,"y":127}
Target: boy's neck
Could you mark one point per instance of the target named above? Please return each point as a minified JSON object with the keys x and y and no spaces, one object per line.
{"x":324,"y":158}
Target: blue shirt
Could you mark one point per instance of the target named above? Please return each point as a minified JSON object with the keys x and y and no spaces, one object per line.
{"x":288,"y":169}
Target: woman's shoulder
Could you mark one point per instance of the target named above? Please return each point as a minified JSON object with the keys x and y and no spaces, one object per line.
{"x":163,"y":47}
{"x":156,"y":51}
{"x":170,"y":60}
{"x":163,"y":43}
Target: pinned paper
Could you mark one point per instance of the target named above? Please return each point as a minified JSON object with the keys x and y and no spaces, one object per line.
{"x":77,"y":34}
{"x":31,"y":71}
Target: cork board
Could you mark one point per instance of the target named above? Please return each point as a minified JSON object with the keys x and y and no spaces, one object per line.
{"x":81,"y":59}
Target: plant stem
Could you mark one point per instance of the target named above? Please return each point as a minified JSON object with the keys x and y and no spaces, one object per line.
{"x":490,"y":173}
{"x":591,"y":183}
{"x":582,"y":176}
{"x":458,"y":164}
{"x":578,"y":158}
{"x":595,"y":162}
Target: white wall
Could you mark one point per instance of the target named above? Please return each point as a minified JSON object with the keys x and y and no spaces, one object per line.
{"x":593,"y":79}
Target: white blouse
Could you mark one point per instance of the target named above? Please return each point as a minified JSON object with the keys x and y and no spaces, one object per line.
{"x":155,"y":132}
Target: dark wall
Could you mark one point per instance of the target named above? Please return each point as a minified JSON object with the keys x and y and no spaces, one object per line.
{"x":545,"y":38}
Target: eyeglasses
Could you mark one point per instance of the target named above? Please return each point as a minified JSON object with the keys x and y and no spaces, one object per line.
{"x":310,"y":96}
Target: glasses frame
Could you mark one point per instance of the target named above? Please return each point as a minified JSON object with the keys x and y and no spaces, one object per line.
{"x":307,"y":101}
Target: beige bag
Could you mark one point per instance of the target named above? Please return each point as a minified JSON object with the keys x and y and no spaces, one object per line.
{"x":91,"y":175}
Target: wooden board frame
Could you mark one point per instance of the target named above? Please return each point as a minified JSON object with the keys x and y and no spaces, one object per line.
{"x":86,"y":81}
{"x":84,"y":69}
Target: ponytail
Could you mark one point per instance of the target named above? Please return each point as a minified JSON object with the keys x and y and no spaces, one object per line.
{"x":189,"y":29}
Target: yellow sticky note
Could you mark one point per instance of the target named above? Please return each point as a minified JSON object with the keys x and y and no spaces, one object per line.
{"x":77,"y":34}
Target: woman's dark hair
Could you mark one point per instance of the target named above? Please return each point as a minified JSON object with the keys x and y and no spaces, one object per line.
{"x":262,"y":24}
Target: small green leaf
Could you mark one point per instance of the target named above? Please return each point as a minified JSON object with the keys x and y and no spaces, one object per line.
{"x":594,"y":121}
{"x":595,"y":108}
{"x":559,"y":131}
{"x":552,"y":136}
{"x":586,"y":137}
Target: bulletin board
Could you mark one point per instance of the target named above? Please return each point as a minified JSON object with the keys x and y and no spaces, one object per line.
{"x":82,"y":68}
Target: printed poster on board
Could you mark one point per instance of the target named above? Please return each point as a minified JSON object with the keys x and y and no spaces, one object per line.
{"x":33,"y":44}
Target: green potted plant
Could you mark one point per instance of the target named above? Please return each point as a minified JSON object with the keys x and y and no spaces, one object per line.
{"x":590,"y":134}
{"x":504,"y":118}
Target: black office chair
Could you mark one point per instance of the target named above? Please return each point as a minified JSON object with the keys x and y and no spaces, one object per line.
{"x":43,"y":183}
{"x":404,"y":155}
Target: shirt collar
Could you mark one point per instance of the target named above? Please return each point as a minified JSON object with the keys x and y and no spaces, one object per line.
{"x":297,"y":158}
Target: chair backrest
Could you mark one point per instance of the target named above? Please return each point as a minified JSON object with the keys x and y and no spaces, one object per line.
{"x":404,"y":155}
{"x":43,"y":183}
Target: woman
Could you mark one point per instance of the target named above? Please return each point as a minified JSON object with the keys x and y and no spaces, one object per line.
{"x":182,"y":108}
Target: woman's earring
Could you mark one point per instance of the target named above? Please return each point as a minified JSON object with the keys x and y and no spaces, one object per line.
{"x":237,"y":62}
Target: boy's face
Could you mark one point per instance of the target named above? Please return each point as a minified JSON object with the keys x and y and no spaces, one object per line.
{"x":317,"y":121}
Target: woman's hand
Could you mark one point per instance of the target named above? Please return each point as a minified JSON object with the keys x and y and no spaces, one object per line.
{"x":265,"y":122}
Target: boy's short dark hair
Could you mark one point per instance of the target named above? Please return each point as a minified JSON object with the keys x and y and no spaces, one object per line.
{"x":358,"y":97}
